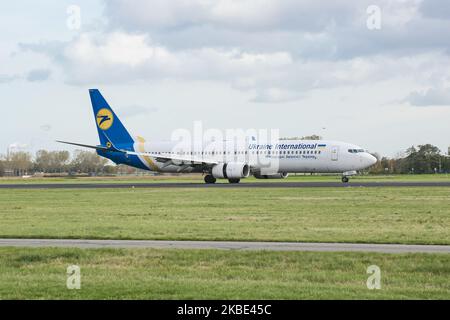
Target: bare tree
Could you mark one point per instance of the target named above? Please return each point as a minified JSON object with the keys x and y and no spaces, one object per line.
{"x":51,"y":161}
{"x":87,"y":162}
{"x":20,"y":162}
{"x":2,"y":166}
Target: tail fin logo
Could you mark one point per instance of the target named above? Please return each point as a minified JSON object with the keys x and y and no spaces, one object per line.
{"x":105,"y":119}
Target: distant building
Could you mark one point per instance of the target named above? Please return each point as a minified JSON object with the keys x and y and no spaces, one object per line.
{"x":9,"y":173}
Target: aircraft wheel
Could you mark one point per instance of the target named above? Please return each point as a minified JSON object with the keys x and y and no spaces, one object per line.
{"x":234,"y":180}
{"x":210,"y":179}
{"x":345,"y":179}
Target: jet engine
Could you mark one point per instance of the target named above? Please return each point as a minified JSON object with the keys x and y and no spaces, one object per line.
{"x":231,"y":170}
{"x":281,"y":175}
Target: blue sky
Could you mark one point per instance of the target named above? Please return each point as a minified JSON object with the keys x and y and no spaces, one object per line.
{"x":297,"y":66}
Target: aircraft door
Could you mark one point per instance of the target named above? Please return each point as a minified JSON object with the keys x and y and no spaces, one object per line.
{"x":334,"y":153}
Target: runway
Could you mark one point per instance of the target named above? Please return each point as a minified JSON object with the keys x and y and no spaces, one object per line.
{"x":221,"y":185}
{"x":227,"y":245}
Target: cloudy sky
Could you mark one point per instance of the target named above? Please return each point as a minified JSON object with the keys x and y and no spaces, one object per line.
{"x":375,"y":73}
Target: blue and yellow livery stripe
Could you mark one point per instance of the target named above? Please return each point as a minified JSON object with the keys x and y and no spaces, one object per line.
{"x":148,"y":161}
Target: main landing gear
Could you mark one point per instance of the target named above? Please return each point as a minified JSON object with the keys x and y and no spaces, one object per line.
{"x":210,"y":179}
{"x":345,"y":179}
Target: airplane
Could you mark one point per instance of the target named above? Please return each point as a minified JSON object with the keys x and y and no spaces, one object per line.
{"x":223,"y":159}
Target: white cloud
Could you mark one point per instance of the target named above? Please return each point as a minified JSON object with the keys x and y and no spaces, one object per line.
{"x":313,"y":29}
{"x":271,"y":95}
{"x":135,"y":110}
{"x":276,"y":50}
{"x":439,"y":9}
{"x":430,"y":97}
{"x":34,"y":75}
{"x":7,"y":78}
{"x":122,"y":57}
{"x":235,"y":14}
{"x":37,"y":75}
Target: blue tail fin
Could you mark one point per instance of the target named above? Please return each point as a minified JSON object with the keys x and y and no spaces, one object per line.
{"x":110,"y":128}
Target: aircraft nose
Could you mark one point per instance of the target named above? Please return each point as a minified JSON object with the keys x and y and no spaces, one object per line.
{"x":371,"y":159}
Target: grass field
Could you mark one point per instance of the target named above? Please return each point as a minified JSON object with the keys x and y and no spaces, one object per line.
{"x":416,"y":215}
{"x":199,"y":179}
{"x":214,"y":274}
{"x":372,"y":215}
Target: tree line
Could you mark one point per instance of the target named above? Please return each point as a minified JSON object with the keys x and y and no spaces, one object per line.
{"x":421,"y":159}
{"x":54,"y":162}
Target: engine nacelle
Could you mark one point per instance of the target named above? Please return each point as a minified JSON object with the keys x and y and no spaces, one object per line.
{"x":231,"y":170}
{"x":281,"y":175}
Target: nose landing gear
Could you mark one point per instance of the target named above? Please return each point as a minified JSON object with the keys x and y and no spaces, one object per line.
{"x":347,"y":174}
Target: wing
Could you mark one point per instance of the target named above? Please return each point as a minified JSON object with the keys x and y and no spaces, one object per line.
{"x":167,"y":158}
{"x":174,"y":158}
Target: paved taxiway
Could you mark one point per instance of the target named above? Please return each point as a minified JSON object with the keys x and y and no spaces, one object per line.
{"x":220,"y":185}
{"x":226,"y":245}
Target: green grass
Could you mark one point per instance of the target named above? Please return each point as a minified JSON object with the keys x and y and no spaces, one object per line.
{"x":214,"y":274}
{"x":87,"y":180}
{"x":372,"y":215}
{"x":199,"y":179}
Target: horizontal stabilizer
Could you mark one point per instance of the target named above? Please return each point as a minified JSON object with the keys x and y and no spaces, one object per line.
{"x":90,"y":146}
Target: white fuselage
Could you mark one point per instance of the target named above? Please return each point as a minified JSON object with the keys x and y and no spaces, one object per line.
{"x":283,"y":156}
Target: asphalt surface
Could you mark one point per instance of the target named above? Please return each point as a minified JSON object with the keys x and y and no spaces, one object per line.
{"x":226,"y":245}
{"x":220,"y":185}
